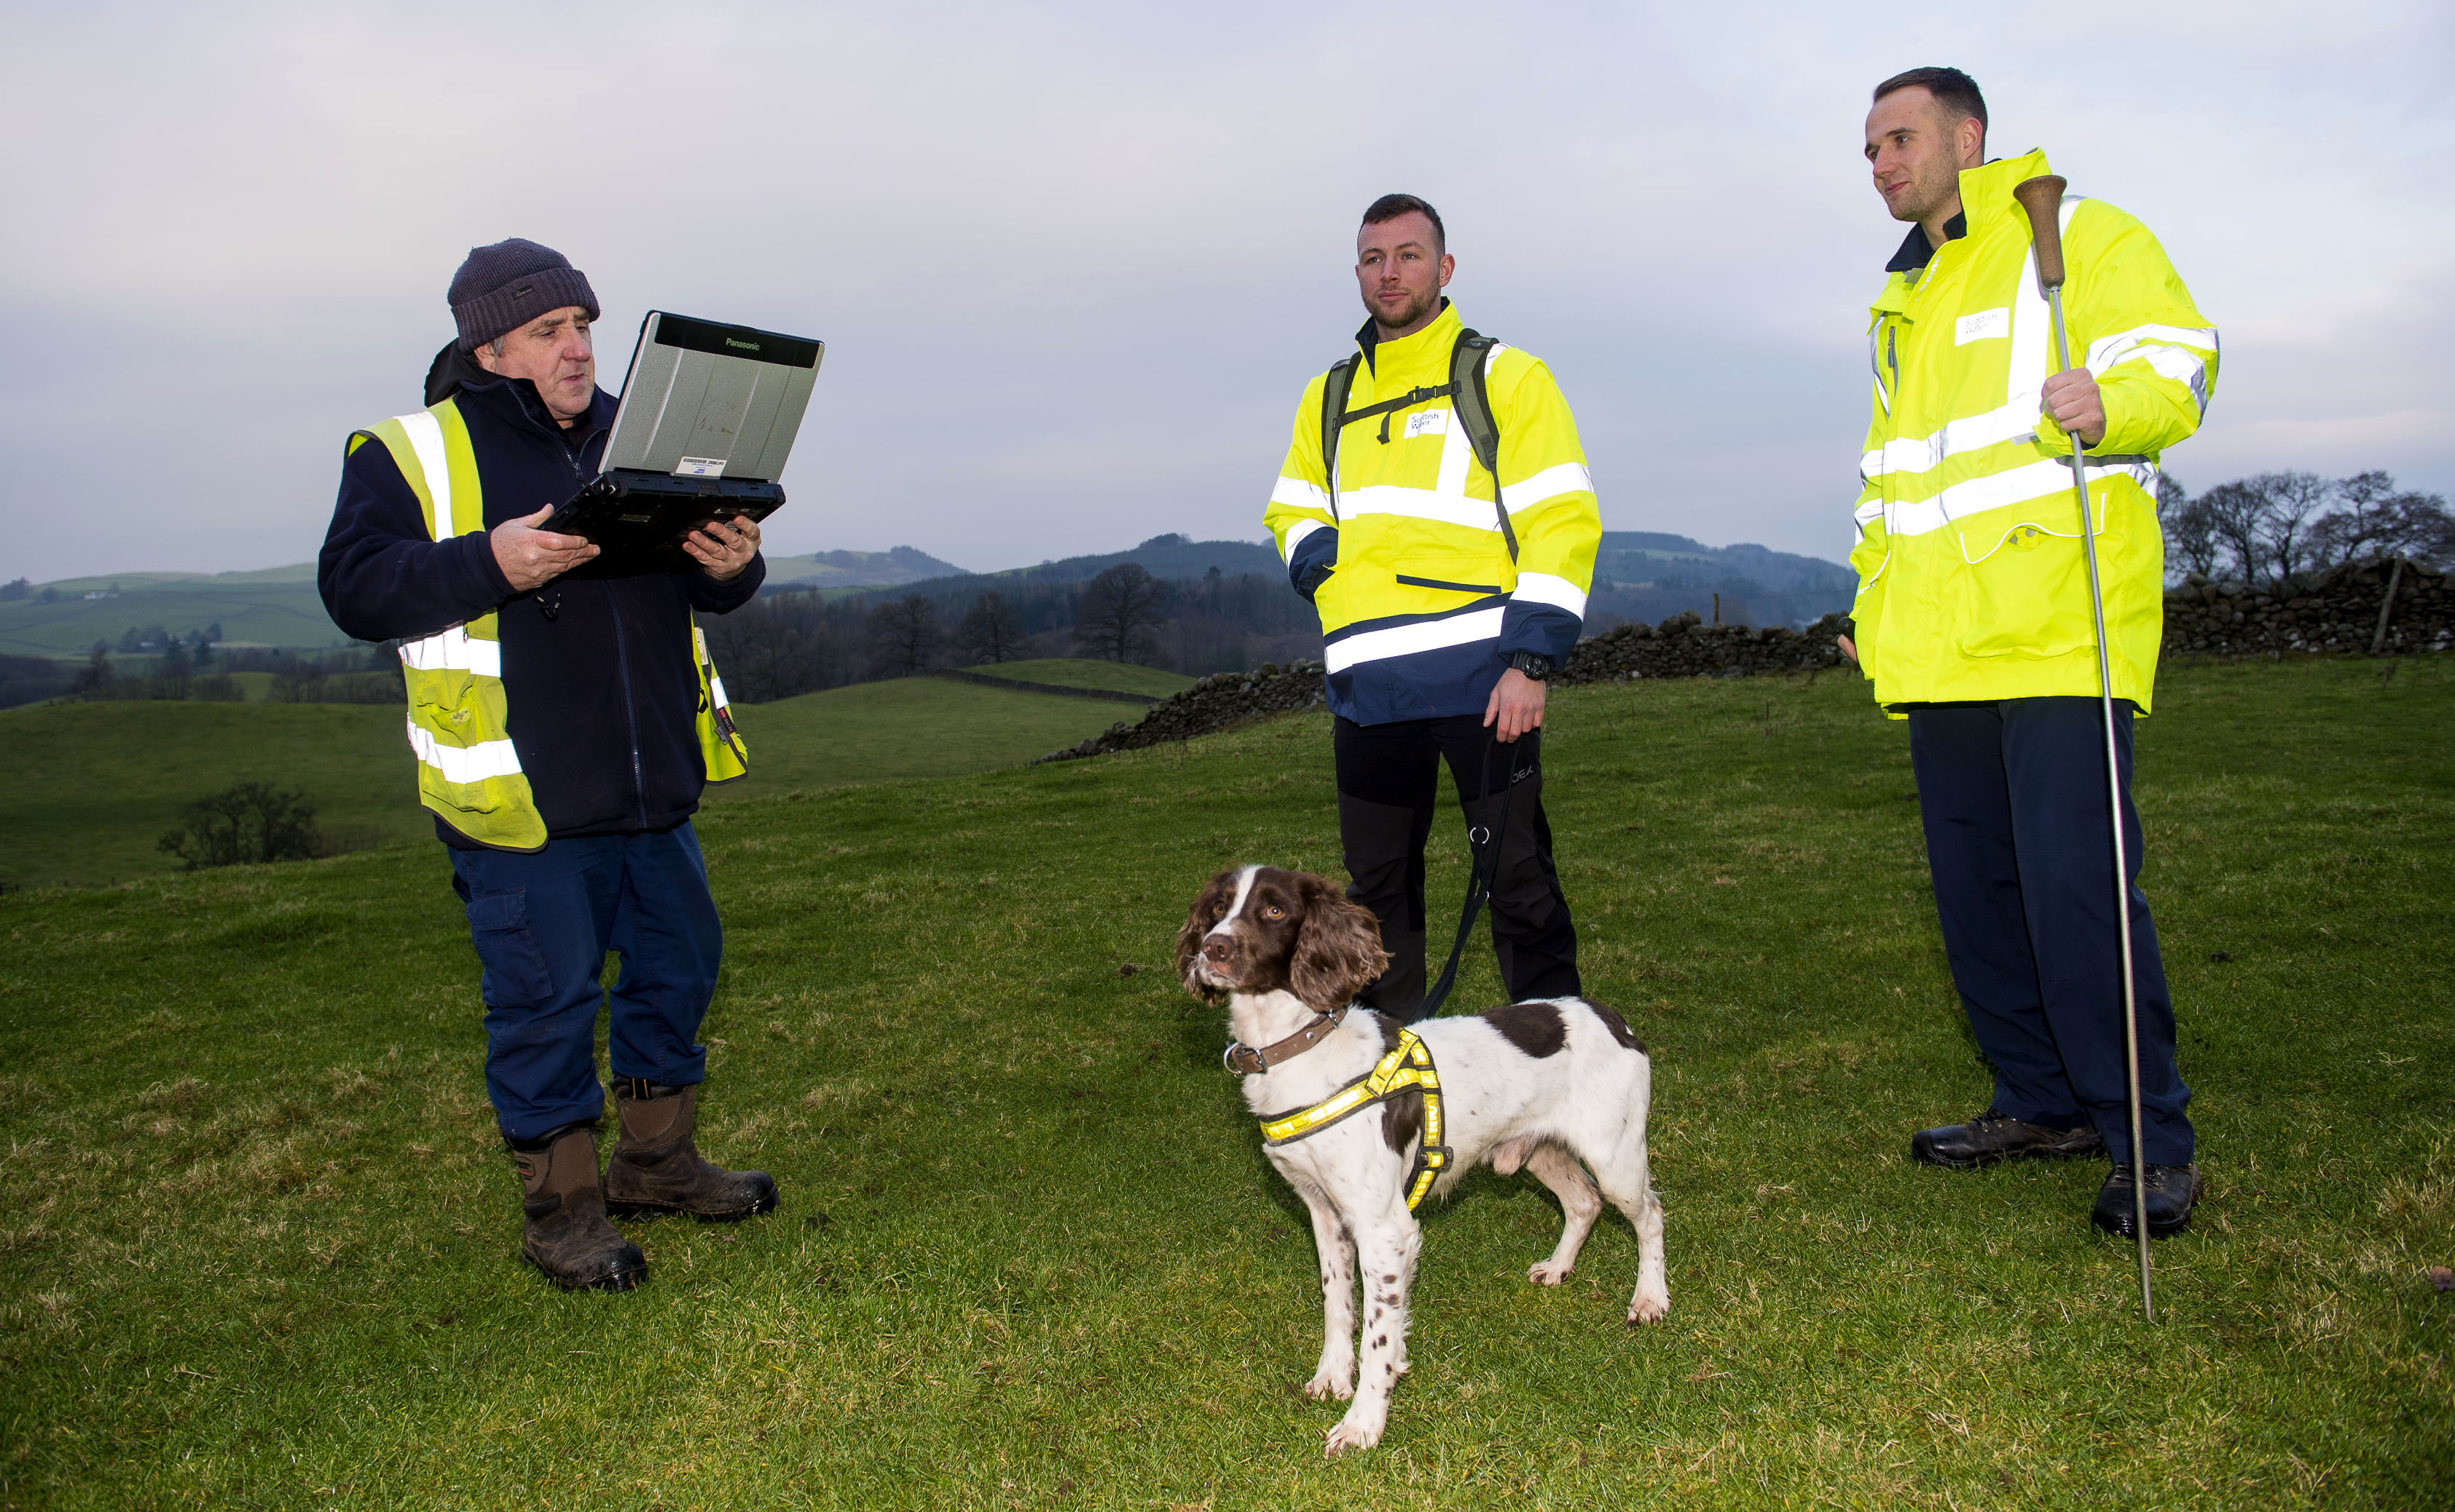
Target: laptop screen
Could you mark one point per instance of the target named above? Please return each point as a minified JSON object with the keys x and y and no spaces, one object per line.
{"x":703,"y":399}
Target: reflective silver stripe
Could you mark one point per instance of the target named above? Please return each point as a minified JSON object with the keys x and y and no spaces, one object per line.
{"x":1399,"y":640}
{"x":454,"y":650}
{"x":2106,"y":351}
{"x":1422,"y":504}
{"x":2012,"y":486}
{"x":1975,"y":432}
{"x":1546,"y":588}
{"x":463,"y":765}
{"x":2167,"y":352}
{"x":1297,"y":530}
{"x":1568,"y":477}
{"x":1297,"y":494}
{"x":426,"y":439}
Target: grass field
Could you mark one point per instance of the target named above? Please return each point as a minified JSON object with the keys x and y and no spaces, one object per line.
{"x":1081,"y":672}
{"x":86,"y":789}
{"x":259,"y":1237}
{"x":275,"y":606}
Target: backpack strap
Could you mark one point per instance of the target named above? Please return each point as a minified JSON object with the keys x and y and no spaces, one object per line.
{"x":1469,"y":398}
{"x":1467,"y":360}
{"x":1336,"y":385}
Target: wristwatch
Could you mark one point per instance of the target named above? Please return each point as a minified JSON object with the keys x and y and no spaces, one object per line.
{"x":1533,"y":664}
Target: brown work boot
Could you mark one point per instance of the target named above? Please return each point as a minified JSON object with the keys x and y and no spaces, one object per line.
{"x":568,"y":1237}
{"x":656,"y":1169}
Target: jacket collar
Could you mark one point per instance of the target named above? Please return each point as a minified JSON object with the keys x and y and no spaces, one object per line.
{"x":1439,"y":336}
{"x":1985,"y":202}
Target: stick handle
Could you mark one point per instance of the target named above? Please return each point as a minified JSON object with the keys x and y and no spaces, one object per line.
{"x":2044,"y":199}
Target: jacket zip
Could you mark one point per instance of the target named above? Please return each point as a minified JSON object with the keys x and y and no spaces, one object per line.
{"x":629,"y":711}
{"x":621,"y":663}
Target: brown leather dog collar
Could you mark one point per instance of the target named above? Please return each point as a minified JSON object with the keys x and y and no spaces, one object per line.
{"x":1247,"y":1061}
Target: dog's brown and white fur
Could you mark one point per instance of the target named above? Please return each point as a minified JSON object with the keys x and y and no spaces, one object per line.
{"x":1544,"y":1085}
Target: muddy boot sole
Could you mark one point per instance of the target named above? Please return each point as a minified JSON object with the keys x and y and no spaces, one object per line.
{"x":623,"y":1278}
{"x":764,"y":1204}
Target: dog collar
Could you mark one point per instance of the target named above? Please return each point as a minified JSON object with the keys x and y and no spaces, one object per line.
{"x":1247,"y":1061}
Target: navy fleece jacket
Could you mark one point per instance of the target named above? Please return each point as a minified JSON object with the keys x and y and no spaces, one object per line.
{"x":597,"y":671}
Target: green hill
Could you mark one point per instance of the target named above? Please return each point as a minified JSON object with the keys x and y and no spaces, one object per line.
{"x":276,"y":606}
{"x":260,"y":1235}
{"x":1078,"y":672}
{"x":901,"y":564}
{"x":86,"y":789}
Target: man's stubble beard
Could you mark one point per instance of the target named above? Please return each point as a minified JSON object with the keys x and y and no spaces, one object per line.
{"x":1927,"y":197}
{"x":1414,"y":312}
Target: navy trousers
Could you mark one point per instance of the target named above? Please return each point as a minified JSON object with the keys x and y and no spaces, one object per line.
{"x":2014,"y":798}
{"x":542,"y":924}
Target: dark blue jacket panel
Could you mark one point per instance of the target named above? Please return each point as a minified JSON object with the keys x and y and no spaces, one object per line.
{"x":597,"y":671}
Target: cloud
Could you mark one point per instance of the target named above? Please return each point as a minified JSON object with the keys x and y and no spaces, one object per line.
{"x":1075,"y":263}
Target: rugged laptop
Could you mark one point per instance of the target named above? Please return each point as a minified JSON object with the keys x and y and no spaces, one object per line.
{"x":707,"y":417}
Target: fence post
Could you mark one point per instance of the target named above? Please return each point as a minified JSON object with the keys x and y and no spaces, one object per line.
{"x":2387,"y":606}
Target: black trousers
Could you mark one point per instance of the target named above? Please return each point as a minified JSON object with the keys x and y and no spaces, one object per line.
{"x":1389,"y":777}
{"x":2014,"y":798}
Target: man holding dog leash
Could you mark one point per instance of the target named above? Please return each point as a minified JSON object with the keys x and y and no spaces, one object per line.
{"x":1434,"y":506}
{"x":563,"y":730}
{"x":1980,"y":619}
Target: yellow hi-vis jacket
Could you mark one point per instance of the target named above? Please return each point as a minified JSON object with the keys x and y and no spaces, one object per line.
{"x":1403,"y":554}
{"x":1971,"y":579}
{"x":469,"y":772}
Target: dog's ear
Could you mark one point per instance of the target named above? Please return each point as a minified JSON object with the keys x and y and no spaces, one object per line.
{"x":1338,"y":951}
{"x":1197,"y":924}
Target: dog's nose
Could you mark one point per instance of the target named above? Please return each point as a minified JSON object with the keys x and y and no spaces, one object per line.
{"x":1214,"y":949}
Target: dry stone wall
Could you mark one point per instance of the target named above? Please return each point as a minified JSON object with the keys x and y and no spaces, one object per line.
{"x":2334,"y":612}
{"x":2337,"y":612}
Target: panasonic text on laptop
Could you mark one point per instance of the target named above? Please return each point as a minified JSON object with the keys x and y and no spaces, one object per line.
{"x":707,"y":418}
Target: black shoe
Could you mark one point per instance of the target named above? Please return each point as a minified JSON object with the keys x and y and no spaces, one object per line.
{"x":2173,"y":1190}
{"x":1991,"y":1136}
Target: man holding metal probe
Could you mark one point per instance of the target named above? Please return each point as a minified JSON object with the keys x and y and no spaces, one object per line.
{"x":1978,"y":615}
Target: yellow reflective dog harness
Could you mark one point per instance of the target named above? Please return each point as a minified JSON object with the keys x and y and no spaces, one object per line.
{"x":1407,"y":1066}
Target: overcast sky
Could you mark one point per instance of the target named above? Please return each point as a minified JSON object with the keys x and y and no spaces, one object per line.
{"x":1074,"y":263}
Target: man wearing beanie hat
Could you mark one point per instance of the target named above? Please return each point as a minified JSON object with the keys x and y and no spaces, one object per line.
{"x":564,"y":724}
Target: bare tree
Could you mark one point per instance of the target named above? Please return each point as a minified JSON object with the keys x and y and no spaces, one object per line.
{"x":2236,"y":511}
{"x":991,"y":631}
{"x":1120,"y":611}
{"x":763,"y":656}
{"x":2191,"y":537}
{"x":903,"y":637}
{"x":2375,"y":519}
{"x":2293,"y":502}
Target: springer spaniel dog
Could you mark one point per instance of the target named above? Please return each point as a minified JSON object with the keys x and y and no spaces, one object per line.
{"x":1559,"y":1087}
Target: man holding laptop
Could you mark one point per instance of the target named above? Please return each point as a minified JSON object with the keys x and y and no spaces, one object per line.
{"x":564,"y":726}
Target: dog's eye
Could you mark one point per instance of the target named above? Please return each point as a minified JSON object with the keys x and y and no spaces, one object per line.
{"x":1273,"y":911}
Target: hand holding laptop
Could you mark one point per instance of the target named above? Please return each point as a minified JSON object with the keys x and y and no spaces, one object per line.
{"x":530,"y":556}
{"x":724,"y":548}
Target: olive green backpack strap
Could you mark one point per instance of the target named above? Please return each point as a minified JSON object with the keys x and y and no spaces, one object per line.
{"x":1473,"y":402}
{"x":1335,"y":386}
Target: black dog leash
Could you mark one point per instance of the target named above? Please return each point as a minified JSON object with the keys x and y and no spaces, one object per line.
{"x":1487,"y":871}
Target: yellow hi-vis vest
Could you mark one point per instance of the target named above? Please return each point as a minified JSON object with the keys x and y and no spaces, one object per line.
{"x":460,"y":721}
{"x":1971,"y":585}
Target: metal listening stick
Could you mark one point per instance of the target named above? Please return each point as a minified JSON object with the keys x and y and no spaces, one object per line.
{"x":2042,"y":199}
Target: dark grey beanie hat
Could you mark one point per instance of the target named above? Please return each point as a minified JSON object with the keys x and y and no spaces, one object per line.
{"x":504,"y":287}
